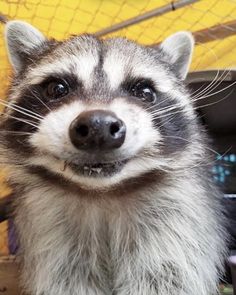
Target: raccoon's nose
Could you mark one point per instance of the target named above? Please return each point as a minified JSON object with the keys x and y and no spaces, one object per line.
{"x":97,"y":130}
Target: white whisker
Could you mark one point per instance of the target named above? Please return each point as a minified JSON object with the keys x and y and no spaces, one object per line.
{"x":213,"y":85}
{"x":20,"y":110}
{"x":21,"y":120}
{"x":34,"y":94}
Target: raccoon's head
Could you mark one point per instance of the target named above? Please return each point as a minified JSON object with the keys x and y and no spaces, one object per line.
{"x":96,"y":112}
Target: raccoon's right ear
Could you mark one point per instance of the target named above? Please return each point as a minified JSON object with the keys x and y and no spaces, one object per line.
{"x":178,"y":49}
{"x":21,"y":39}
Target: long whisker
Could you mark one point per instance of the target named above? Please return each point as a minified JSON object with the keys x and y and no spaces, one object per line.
{"x":206,"y":88}
{"x":9,"y":104}
{"x":22,"y":120}
{"x":213,"y":85}
{"x":170,"y":108}
{"x":201,"y":88}
{"x":20,"y":110}
{"x":214,"y":102}
{"x":214,"y":93}
{"x":189,"y":141}
{"x":166,"y":114}
{"x":165,"y":110}
{"x":14,"y":132}
{"x":39,"y":99}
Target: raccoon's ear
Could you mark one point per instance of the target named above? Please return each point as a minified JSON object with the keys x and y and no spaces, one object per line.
{"x":21,"y":39}
{"x":179,"y":50}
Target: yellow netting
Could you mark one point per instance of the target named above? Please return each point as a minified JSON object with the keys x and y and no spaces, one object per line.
{"x":61,"y":18}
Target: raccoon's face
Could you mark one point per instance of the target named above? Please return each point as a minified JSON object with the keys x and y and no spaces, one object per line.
{"x":96,"y":112}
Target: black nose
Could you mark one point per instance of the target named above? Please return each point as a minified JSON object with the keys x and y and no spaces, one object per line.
{"x":97,"y":130}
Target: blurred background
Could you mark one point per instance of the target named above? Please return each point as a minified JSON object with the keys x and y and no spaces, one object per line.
{"x":212,"y":22}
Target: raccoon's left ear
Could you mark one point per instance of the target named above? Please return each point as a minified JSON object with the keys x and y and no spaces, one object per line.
{"x":179,"y":49}
{"x":22,"y":39}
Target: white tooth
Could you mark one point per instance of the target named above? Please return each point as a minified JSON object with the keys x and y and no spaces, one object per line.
{"x":98,"y":170}
{"x":86,"y":168}
{"x":63,"y":166}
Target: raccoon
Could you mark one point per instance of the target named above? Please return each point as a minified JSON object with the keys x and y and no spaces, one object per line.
{"x":110,"y":168}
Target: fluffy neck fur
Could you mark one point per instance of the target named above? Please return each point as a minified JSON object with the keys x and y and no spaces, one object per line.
{"x":156,"y":241}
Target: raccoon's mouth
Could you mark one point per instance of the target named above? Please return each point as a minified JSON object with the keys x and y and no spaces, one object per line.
{"x":98,"y":169}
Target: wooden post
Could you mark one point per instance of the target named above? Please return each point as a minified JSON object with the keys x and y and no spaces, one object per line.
{"x":9,"y":276}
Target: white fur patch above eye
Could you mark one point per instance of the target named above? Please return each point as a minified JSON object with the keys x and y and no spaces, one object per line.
{"x":81,"y":65}
{"x":114,"y":66}
{"x":85,"y":65}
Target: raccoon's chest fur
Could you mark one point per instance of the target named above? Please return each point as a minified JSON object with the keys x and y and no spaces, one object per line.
{"x":155,"y":245}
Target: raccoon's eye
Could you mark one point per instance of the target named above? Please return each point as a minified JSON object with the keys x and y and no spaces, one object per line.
{"x":144,"y":91}
{"x":57,"y":89}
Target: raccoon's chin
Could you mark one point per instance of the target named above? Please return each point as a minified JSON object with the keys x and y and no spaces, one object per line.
{"x":106,"y":169}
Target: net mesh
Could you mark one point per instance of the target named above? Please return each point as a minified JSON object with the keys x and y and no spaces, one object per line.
{"x":213,"y":23}
{"x":61,"y":18}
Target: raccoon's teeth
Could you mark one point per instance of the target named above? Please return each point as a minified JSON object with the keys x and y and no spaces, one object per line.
{"x":97,"y":170}
{"x":86,"y":168}
{"x":63,"y":166}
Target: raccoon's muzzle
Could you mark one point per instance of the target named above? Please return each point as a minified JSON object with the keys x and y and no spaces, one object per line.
{"x":97,"y":132}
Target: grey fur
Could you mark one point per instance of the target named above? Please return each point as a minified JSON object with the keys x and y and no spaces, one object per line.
{"x":21,"y":41}
{"x":179,"y":48}
{"x":157,"y":227}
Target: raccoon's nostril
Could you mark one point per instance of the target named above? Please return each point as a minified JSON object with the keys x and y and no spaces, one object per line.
{"x":114,"y":128}
{"x":82,"y":130}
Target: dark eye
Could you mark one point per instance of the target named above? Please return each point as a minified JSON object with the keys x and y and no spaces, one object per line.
{"x":144,"y":91}
{"x":57,"y":89}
